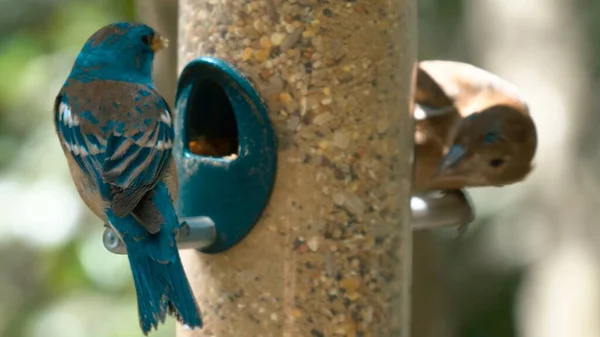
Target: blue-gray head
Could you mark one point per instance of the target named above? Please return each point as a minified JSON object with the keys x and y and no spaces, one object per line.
{"x":120,"y":51}
{"x":494,"y":147}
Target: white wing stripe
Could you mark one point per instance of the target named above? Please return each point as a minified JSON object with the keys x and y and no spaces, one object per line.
{"x":66,"y":116}
{"x":165,"y":117}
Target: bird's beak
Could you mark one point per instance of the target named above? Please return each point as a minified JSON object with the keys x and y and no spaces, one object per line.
{"x":454,"y":155}
{"x":159,"y":42}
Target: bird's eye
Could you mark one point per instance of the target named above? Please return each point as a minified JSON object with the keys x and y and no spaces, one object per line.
{"x":496,"y":162}
{"x":491,"y":137}
{"x":147,"y":40}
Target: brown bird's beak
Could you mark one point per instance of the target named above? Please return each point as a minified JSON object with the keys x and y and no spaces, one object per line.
{"x":159,"y":42}
{"x":447,"y":177}
{"x":454,"y":155}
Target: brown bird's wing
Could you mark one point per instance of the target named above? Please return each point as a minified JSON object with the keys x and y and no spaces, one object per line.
{"x":435,"y":114}
{"x":429,"y":92}
{"x":472,"y":89}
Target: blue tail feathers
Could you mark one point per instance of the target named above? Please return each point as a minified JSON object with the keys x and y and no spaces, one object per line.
{"x":160,"y":282}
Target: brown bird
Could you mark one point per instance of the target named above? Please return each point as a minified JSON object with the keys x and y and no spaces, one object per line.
{"x":472,"y":129}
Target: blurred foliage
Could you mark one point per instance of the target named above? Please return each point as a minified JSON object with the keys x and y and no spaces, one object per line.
{"x":439,"y":28}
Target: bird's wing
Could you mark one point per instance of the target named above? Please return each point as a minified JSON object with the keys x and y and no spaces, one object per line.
{"x":86,"y":149}
{"x":430,"y":98}
{"x":125,"y":152}
{"x":472,"y":89}
{"x":136,"y":157}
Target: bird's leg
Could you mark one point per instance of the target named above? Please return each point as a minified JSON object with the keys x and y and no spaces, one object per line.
{"x":184,"y":229}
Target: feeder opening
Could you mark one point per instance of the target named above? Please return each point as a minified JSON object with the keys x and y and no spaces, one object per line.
{"x":211,"y":124}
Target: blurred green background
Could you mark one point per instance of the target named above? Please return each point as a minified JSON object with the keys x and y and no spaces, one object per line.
{"x":528,"y":266}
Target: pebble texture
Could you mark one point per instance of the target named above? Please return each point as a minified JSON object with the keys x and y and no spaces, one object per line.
{"x":330,"y":254}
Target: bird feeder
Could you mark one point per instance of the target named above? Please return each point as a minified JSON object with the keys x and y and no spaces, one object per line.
{"x":295,"y":139}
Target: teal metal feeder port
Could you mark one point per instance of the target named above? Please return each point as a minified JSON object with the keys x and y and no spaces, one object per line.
{"x":225,"y":150}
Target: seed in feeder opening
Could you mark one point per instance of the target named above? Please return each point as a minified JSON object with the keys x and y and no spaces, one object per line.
{"x":213,"y":147}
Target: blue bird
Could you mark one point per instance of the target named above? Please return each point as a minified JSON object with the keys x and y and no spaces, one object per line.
{"x":116,"y":132}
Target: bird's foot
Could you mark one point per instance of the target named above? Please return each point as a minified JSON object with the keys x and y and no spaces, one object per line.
{"x":184,"y":229}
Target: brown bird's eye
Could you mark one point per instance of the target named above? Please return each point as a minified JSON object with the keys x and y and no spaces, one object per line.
{"x":496,"y":162}
{"x":147,"y":40}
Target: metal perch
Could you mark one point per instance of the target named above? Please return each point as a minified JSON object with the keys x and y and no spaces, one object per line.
{"x":194,"y":233}
{"x":441,"y":209}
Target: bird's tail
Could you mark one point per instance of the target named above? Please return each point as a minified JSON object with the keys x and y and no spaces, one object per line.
{"x":160,"y":282}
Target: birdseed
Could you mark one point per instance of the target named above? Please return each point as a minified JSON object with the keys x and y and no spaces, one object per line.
{"x":330,"y":252}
